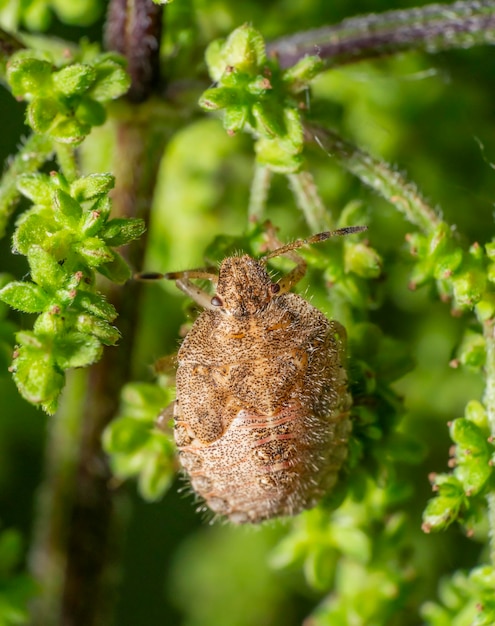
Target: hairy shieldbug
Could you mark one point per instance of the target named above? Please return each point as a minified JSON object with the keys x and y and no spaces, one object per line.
{"x":262,"y":408}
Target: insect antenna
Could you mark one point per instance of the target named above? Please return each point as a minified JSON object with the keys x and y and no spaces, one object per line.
{"x":347,"y":230}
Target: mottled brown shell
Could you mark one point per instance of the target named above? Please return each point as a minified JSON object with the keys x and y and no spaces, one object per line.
{"x":261,"y":415}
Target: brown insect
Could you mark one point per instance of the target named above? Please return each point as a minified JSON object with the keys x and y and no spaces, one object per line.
{"x":261,"y":415}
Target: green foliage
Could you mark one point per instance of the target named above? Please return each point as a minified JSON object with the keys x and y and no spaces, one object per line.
{"x":137,"y":448}
{"x":37,"y":15}
{"x":65,"y":102}
{"x":15,"y":589}
{"x":257,"y":96}
{"x":473,"y":475}
{"x":359,"y":555}
{"x":467,"y":600}
{"x":67,"y":235}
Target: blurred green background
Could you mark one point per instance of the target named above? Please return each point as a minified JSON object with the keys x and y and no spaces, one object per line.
{"x":432,"y":116}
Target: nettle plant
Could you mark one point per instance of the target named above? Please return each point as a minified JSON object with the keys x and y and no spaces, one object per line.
{"x":354,"y":548}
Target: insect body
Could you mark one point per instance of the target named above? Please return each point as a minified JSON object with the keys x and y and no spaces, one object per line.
{"x":261,"y":415}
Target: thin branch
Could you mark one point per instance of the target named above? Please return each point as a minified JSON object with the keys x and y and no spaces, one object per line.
{"x":378,"y":175}
{"x":308,"y":199}
{"x":431,"y":28}
{"x":260,"y":186}
{"x":134,"y":29}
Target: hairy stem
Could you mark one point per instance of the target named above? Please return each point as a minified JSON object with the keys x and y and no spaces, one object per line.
{"x":379,"y":176}
{"x":134,"y":29}
{"x":309,"y":201}
{"x":66,"y":157}
{"x":259,"y":192}
{"x":35,"y":151}
{"x":489,"y":401}
{"x":80,"y":534}
{"x":431,"y":28}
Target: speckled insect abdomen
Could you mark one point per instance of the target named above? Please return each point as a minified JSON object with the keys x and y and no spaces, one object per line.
{"x":261,"y":417}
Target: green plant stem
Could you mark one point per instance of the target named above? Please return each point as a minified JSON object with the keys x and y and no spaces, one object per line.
{"x":87,"y":527}
{"x":489,"y":401}
{"x":431,"y":28}
{"x":309,"y":201}
{"x":259,"y":192}
{"x":36,"y":150}
{"x":55,"y":499}
{"x":66,"y":157}
{"x":378,"y":175}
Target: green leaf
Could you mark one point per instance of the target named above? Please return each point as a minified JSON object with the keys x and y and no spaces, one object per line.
{"x":120,"y":231}
{"x":91,"y":112}
{"x":111,"y":81}
{"x":473,"y":454}
{"x":126,"y":435}
{"x":157,"y":472}
{"x":35,"y":374}
{"x":69,"y":130}
{"x":76,"y":349}
{"x":94,"y":251}
{"x":29,"y":77}
{"x":92,"y":186}
{"x":116,"y":270}
{"x":74,"y":79}
{"x":96,"y":305}
{"x":45,"y":270}
{"x":95,"y":218}
{"x":33,"y":229}
{"x":42,"y":114}
{"x":26,"y":297}
{"x":90,"y":325}
{"x":221,"y":98}
{"x":68,"y":211}
{"x":37,"y":187}
{"x":445,"y":508}
{"x":302,"y":73}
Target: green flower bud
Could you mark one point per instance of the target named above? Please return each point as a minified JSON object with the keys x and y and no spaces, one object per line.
{"x":362,"y":260}
{"x":473,"y":454}
{"x":472,"y":351}
{"x":244,"y":50}
{"x":442,"y":510}
{"x":302,"y":73}
{"x":469,"y":287}
{"x":475,"y":412}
